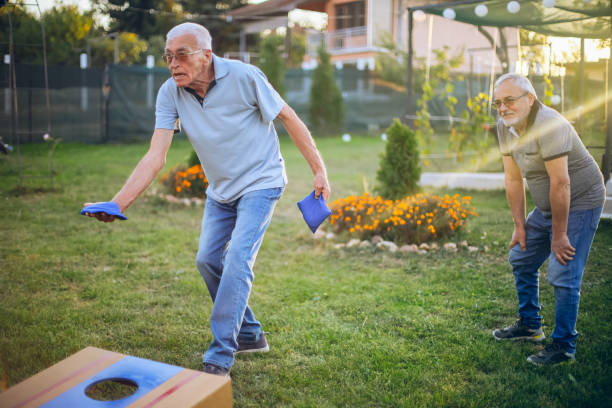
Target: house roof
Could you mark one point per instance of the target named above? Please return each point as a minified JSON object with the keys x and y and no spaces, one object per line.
{"x":273,"y":8}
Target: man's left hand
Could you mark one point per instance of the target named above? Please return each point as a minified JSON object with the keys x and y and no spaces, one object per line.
{"x":321,"y":186}
{"x":563,"y":250}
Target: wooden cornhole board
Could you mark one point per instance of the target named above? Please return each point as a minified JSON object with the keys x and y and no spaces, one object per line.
{"x":160,"y":385}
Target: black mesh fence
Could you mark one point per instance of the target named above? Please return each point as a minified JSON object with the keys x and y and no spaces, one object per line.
{"x":83,"y":109}
{"x":75,"y":104}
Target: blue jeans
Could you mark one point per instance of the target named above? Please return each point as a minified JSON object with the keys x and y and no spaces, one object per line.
{"x":566,"y":279}
{"x":231,"y":236}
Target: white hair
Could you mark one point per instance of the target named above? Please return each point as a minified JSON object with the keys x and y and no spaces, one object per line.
{"x":199,"y":32}
{"x":519,"y":80}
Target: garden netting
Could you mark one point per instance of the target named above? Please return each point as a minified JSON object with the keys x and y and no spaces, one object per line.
{"x":125,"y":110}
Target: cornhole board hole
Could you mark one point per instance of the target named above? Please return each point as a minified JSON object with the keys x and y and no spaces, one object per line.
{"x":151,"y":384}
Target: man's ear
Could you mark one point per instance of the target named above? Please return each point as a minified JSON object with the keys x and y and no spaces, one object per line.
{"x":531,"y":99}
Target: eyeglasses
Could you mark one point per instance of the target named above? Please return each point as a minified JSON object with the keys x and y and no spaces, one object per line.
{"x":181,"y":55}
{"x":508,"y":101}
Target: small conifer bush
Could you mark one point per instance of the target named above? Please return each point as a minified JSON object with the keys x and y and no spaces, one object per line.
{"x":326,"y":104}
{"x":399,"y":171}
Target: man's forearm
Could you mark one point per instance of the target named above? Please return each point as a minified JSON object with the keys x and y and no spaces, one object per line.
{"x":559,"y":206}
{"x":515,"y":193}
{"x":142,"y":176}
{"x":302,"y":139}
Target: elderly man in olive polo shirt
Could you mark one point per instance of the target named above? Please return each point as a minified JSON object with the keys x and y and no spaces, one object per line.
{"x":227,"y":109}
{"x":567,"y":188}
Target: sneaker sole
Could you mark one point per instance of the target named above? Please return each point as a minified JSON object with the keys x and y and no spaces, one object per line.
{"x":545,"y":364}
{"x":259,"y":350}
{"x":534,"y":339}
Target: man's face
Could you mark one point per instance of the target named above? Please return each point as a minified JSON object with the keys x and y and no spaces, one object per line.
{"x":516,"y":103}
{"x":189,"y":62}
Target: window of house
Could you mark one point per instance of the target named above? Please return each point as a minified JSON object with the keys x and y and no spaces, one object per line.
{"x":349,"y":15}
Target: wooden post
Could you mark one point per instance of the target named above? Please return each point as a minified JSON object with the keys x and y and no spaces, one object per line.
{"x":606,"y":162}
{"x":409,"y":106}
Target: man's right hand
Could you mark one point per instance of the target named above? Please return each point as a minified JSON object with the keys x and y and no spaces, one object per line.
{"x":518,"y":237}
{"x":104,"y":217}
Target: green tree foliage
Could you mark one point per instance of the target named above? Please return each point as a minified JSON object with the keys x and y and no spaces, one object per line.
{"x":391,"y":63}
{"x":298,"y":49}
{"x":66,"y":30}
{"x":143,"y":17}
{"x":132,"y":50}
{"x":271,"y":60}
{"x":156,"y":47}
{"x":439,"y":85}
{"x":549,"y":89}
{"x":474,"y":132}
{"x":211,"y":14}
{"x":26,"y":33}
{"x":399,"y":172}
{"x":326,"y":104}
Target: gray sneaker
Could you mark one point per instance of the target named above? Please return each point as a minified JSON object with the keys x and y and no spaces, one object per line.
{"x":518,"y":331}
{"x":215,"y":370}
{"x":259,"y":346}
{"x":552,"y":354}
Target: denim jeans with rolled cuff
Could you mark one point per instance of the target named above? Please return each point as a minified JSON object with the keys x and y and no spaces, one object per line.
{"x":230,"y":239}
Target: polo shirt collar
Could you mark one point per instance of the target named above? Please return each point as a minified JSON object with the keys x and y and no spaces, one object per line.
{"x":221,"y":68}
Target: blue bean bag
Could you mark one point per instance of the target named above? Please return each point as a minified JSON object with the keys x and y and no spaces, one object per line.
{"x":314,"y":211}
{"x":109,"y":207}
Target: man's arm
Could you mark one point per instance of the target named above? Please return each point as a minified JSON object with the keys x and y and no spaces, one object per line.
{"x":559,"y":205}
{"x":303,"y":141}
{"x":515,"y":193}
{"x":144,"y":173}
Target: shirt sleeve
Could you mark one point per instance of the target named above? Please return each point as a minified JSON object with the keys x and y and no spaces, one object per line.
{"x":269,"y":101}
{"x":165,"y":109}
{"x":556,"y":140}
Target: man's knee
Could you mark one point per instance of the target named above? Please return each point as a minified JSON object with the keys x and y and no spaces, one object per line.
{"x":518,"y":257}
{"x":564,"y":276}
{"x":207,"y":261}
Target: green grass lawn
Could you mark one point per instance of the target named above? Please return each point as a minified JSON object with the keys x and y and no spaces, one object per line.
{"x":348,"y":328}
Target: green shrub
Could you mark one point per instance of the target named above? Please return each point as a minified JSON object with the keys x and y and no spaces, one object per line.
{"x":193,"y":159}
{"x":399,"y":171}
{"x":326,"y":104}
{"x":271,"y":61}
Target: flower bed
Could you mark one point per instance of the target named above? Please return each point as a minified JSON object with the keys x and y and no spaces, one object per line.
{"x":181,"y":182}
{"x":413,"y":219}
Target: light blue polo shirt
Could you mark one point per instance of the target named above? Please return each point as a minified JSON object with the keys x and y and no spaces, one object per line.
{"x":232,"y":131}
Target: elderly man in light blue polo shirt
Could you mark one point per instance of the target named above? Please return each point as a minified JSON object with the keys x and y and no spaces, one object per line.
{"x":227,"y":109}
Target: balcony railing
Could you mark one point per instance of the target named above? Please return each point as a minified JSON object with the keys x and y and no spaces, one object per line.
{"x":339,"y":40}
{"x":347,"y":38}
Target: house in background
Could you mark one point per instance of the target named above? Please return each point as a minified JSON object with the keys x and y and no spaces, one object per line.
{"x":355,"y":30}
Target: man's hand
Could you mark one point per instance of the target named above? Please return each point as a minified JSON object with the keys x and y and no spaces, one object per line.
{"x":321,"y":186}
{"x":564,"y":251}
{"x":518,"y":237}
{"x":104,"y":217}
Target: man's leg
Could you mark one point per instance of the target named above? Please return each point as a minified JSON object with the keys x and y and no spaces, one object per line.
{"x":231,"y":317}
{"x":567,"y":278}
{"x":525,"y":266}
{"x":217,"y":225}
